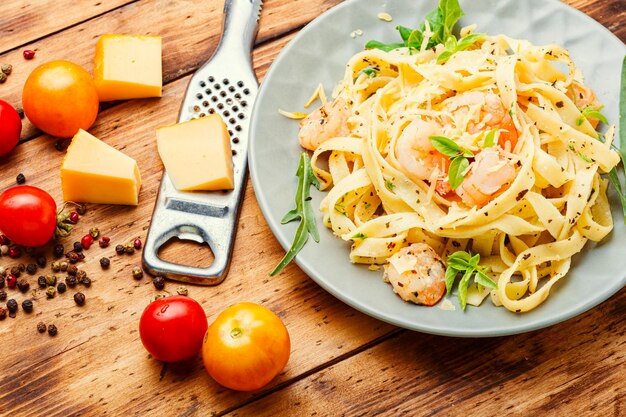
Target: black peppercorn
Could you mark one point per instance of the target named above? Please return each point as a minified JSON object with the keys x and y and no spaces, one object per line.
{"x":20,"y":179}
{"x":3,"y":313}
{"x":70,"y":281}
{"x":21,"y":267}
{"x":12,"y":306}
{"x":31,"y":269}
{"x":3,"y":295}
{"x":58,"y":250}
{"x":119,"y":249}
{"x":73,"y":256}
{"x":159,"y":282}
{"x":61,"y":287}
{"x":52,"y":330}
{"x":80,"y":275}
{"x":78,"y":246}
{"x":41,"y":281}
{"x":86,"y":282}
{"x":72,"y":270}
{"x":137,"y":273}
{"x":16,"y":271}
{"x":2,"y":281}
{"x":27,"y":306}
{"x":41,"y":327}
{"x":105,"y":263}
{"x":23,"y":285}
{"x":41,"y":261}
{"x":51,"y":292}
{"x":81,"y":209}
{"x":79,"y":298}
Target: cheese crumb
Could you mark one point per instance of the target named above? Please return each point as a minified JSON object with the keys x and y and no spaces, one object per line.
{"x":374,"y":267}
{"x":385,"y":16}
{"x":295,"y":115}
{"x":356,"y":33}
{"x":447,"y":305}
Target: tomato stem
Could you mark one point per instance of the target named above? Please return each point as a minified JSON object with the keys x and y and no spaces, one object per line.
{"x":236,"y":332}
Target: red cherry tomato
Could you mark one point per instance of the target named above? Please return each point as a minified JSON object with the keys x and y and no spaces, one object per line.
{"x":60,"y":97}
{"x":172,"y":328}
{"x":10,"y":128}
{"x":27,"y":215}
{"x":246,"y":347}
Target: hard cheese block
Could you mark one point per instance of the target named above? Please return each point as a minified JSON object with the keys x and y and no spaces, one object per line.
{"x":197,"y":154}
{"x":94,"y":172}
{"x":128,"y":67}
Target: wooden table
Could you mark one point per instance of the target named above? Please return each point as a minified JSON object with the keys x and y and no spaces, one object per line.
{"x":342,"y":362}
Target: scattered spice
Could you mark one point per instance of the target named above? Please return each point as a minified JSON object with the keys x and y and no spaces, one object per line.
{"x":78,"y":246}
{"x":6,"y":68}
{"x":137,"y":272}
{"x":104,"y":241}
{"x":72,"y":270}
{"x":79,"y":298}
{"x":129,"y":248}
{"x":3,"y":295}
{"x":4,"y":249}
{"x":41,"y":261}
{"x":27,"y":306}
{"x":15,"y":252}
{"x":182,"y":291}
{"x":12,"y":307}
{"x":41,"y":281}
{"x":64,"y":266}
{"x":31,"y":269}
{"x":11,"y":281}
{"x":119,"y":249}
{"x":58,"y":250}
{"x":61,"y":288}
{"x":16,"y":271}
{"x":4,"y":240}
{"x":86,"y":282}
{"x":159,"y":282}
{"x":73,"y":256}
{"x":23,"y":285}
{"x":20,"y":179}
{"x":51,"y":292}
{"x":28,"y":54}
{"x":137,"y":243}
{"x":55,"y":266}
{"x":86,"y":241}
{"x":81,"y":275}
{"x":3,"y":313}
{"x":21,"y":267}
{"x":3,"y":77}
{"x":70,"y":281}
{"x":51,"y":279}
{"x":74,"y":217}
{"x":81,"y":208}
{"x":52,"y":330}
{"x":94,"y":232}
{"x":105,"y":263}
{"x":41,"y":327}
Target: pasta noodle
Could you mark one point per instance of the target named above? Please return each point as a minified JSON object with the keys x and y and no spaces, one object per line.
{"x":526,"y":203}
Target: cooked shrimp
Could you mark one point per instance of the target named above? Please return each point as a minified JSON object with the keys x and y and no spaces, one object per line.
{"x":492,"y":115}
{"x":584,"y":97}
{"x":490,"y":173}
{"x":417,"y":155}
{"x":417,"y":274}
{"x":329,"y":121}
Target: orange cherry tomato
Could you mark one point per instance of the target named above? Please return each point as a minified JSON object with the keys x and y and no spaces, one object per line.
{"x":246,"y":347}
{"x":60,"y":97}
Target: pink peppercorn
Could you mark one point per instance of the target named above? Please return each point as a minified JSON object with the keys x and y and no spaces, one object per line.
{"x":28,"y":54}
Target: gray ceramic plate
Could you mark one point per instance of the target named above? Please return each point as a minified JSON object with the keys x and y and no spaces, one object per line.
{"x":319,"y":53}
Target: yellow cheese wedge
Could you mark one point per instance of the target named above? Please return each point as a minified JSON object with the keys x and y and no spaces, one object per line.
{"x":94,"y":172}
{"x":197,"y":154}
{"x":128,"y":67}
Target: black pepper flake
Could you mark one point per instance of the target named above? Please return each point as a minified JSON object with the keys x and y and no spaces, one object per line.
{"x":159,"y":282}
{"x":20,"y":179}
{"x":455,"y":244}
{"x":521,"y":195}
{"x":52,"y":330}
{"x":41,"y":327}
{"x":31,"y":269}
{"x":526,"y":256}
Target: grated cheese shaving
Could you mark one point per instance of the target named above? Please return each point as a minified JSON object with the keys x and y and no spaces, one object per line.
{"x":385,"y":16}
{"x":295,"y":115}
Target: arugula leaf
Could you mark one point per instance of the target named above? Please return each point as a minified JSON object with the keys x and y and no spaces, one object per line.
{"x":591,"y":111}
{"x":462,"y":261}
{"x":456,"y":172}
{"x":303,"y":212}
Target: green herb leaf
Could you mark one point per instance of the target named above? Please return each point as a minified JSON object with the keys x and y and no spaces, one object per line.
{"x":462,"y":261}
{"x":445,"y":146}
{"x":370,"y":70}
{"x":482,"y":279}
{"x":405,"y":32}
{"x":469,"y":40}
{"x":580,"y":154}
{"x":390,"y":185}
{"x":383,"y":46}
{"x":451,"y":274}
{"x":303,"y":212}
{"x":490,"y":138}
{"x":591,"y":111}
{"x":462,"y":289}
{"x":451,"y":12}
{"x":415,"y":39}
{"x":359,"y":236}
{"x":456,"y":172}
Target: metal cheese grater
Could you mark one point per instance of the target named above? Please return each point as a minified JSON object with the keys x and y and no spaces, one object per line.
{"x":225,"y":85}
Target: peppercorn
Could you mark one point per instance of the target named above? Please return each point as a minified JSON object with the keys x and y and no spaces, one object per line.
{"x":86,"y":282}
{"x":59,"y":145}
{"x":58,"y":250}
{"x":20,"y":179}
{"x":79,"y":298}
{"x":104,"y":241}
{"x":51,"y":292}
{"x":31,"y":269}
{"x":2,"y":282}
{"x":81,"y":209}
{"x":41,"y":261}
{"x":51,"y":279}
{"x":4,"y":250}
{"x":64,"y":266}
{"x":23,"y":285}
{"x":129,"y":248}
{"x":78,"y":246}
{"x":70,"y":281}
{"x":72,"y":270}
{"x":86,"y":241}
{"x":52,"y":330}
{"x":21,"y":267}
{"x":15,"y":252}
{"x":4,"y":240}
{"x":73,"y":256}
{"x":159,"y":282}
{"x":16,"y":271}
{"x":105,"y":263}
{"x":119,"y":249}
{"x":41,"y":327}
{"x":29,"y":251}
{"x":41,"y":281}
{"x":3,"y":77}
{"x":157,"y":297}
{"x":137,"y":243}
{"x":55,"y":266}
{"x":12,"y":306}
{"x":80,"y":275}
{"x":182,"y":291}
{"x":11,"y":281}
{"x":74,"y":217}
{"x":137,"y":272}
{"x":6,"y":68}
{"x":3,"y":295}
{"x":3,"y":313}
{"x":27,"y":306}
{"x":3,"y":271}
{"x":61,"y":288}
{"x":94,"y":232}
{"x":28,"y":54}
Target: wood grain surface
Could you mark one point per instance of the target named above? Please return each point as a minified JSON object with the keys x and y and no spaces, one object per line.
{"x":342,"y":362}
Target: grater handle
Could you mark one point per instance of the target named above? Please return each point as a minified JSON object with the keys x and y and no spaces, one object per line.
{"x":241,"y":24}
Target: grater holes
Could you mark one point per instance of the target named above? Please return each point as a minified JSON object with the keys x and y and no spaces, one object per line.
{"x":231,"y":89}
{"x":211,"y":78}
{"x":202,"y":84}
{"x":235,"y":140}
{"x":226,"y":113}
{"x":201,"y":115}
{"x":241,"y":116}
{"x":235,"y":108}
{"x":208,"y":91}
{"x":234,"y":152}
{"x":240,"y":84}
{"x":199,"y":96}
{"x":217,"y":86}
{"x":196,"y":108}
{"x":214,"y":98}
{"x":220,"y":106}
{"x":229,"y":101}
{"x":211,"y":110}
{"x":223,"y":93}
{"x":238,"y":96}
{"x":231,"y":121}
{"x":225,"y":81}
{"x":205,"y":103}
{"x":230,"y":132}
{"x":246,"y":91}
{"x":243,"y":103}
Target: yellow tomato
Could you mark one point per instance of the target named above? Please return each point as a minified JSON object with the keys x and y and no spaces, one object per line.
{"x":246,"y":347}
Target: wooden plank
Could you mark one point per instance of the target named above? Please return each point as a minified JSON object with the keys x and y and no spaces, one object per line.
{"x":22,"y":22}
{"x":97,"y":362}
{"x":568,"y":369}
{"x":190,"y":31}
